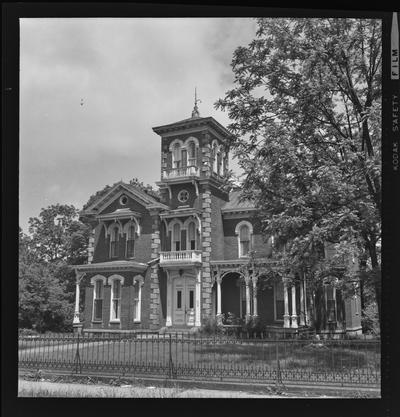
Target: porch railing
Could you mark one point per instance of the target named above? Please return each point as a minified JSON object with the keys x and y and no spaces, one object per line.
{"x":180,"y":256}
{"x":188,"y":171}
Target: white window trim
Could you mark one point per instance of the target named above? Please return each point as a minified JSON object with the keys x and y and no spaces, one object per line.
{"x":93,"y":282}
{"x":111,"y":280}
{"x":237,"y":232}
{"x":171,"y":229}
{"x":140,"y":281}
{"x":186,"y":227}
{"x":125,"y":231}
{"x":115,"y":225}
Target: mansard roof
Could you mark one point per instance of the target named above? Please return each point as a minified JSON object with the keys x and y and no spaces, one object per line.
{"x":237,"y":204}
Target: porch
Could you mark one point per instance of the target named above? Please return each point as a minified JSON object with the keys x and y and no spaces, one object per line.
{"x":241,"y":294}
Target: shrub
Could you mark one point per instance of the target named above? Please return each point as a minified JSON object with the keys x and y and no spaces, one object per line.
{"x":211,"y":326}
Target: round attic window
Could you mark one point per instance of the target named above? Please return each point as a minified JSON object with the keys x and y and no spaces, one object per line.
{"x":123,"y":199}
{"x":183,"y":196}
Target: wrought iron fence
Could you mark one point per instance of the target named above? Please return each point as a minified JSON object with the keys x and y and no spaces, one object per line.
{"x":193,"y":356}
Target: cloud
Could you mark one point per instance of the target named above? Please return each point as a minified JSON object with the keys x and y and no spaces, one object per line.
{"x":129,"y":75}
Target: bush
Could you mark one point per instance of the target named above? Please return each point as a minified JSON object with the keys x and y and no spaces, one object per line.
{"x":27,"y":332}
{"x":253,"y":327}
{"x":370,"y":320}
{"x":211,"y":326}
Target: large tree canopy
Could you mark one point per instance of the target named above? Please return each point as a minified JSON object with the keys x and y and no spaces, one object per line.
{"x":58,"y":241}
{"x":306,"y":111}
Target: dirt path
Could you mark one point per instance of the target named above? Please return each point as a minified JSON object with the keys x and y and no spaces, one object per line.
{"x":56,"y":389}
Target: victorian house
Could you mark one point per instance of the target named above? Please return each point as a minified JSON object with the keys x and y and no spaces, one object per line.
{"x":182,"y":257}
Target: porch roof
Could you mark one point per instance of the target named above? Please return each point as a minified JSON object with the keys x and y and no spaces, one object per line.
{"x":113,"y":266}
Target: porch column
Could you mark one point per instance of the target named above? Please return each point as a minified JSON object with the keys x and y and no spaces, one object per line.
{"x":286,"y":317}
{"x":307,"y":322}
{"x":301,"y":304}
{"x":294,"y":315}
{"x":168,"y":321}
{"x":197,"y":316}
{"x":76,"y":321}
{"x":247,"y":283}
{"x":219,"y":302}
{"x":255,"y":312}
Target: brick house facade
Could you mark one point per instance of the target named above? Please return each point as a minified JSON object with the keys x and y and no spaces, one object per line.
{"x":180,"y":258}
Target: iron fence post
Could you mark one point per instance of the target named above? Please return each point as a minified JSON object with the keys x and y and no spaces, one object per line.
{"x":78,"y":358}
{"x":278,"y":367}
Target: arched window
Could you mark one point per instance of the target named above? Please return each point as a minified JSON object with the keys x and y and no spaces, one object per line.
{"x":225,"y":161}
{"x":116,"y":284}
{"x":137,"y":298}
{"x":244,"y":231}
{"x":192,"y":153}
{"x":98,"y":295}
{"x":219,"y":163}
{"x":176,"y":237}
{"x":191,"y":236}
{"x":114,"y":239}
{"x":130,"y":240}
{"x":176,"y":155}
{"x":214,"y":156}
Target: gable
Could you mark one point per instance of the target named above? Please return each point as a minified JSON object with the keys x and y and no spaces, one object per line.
{"x":114,"y":193}
{"x":122,"y":200}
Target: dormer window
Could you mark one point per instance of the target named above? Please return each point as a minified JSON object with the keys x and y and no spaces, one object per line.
{"x":130,"y":240}
{"x":114,"y":239}
{"x":244,"y":231}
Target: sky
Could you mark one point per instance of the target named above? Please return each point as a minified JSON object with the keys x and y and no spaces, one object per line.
{"x":92,"y":89}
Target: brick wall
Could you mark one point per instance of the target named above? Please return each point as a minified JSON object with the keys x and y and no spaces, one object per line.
{"x":217,"y":229}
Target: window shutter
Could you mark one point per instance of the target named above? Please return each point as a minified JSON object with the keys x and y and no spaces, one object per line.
{"x":183,"y":240}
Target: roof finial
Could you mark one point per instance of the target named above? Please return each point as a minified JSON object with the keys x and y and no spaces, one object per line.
{"x":195,"y":112}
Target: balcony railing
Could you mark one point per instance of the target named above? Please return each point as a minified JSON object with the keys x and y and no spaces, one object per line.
{"x":180,"y":256}
{"x":188,"y":171}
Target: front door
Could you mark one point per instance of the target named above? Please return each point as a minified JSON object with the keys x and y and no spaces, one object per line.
{"x":183,"y":301}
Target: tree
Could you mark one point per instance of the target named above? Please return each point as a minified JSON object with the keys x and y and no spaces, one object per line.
{"x":306,"y":111}
{"x":58,"y":235}
{"x":46,"y":276}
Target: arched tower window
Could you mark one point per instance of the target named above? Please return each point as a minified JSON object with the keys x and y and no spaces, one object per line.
{"x":176,"y":155}
{"x":192,"y":236}
{"x":219,"y":163}
{"x":192,"y":153}
{"x":176,"y":237}
{"x":214,"y":156}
